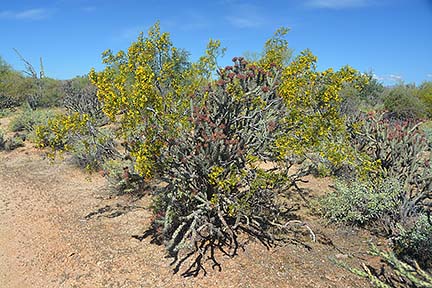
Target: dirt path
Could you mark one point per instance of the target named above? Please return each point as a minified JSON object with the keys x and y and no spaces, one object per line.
{"x":47,"y":241}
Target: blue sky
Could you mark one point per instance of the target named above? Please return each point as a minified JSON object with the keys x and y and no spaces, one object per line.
{"x":391,"y":38}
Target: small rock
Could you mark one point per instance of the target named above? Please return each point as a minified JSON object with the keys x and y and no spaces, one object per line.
{"x":341,"y":256}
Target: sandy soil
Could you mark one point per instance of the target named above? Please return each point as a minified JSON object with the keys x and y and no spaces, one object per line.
{"x":46,"y":240}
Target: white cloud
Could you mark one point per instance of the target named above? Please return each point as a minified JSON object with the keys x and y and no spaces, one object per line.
{"x":395,"y":78}
{"x":337,"y":4}
{"x":379,"y":78}
{"x":389,"y":78}
{"x":429,"y":75}
{"x":30,"y":14}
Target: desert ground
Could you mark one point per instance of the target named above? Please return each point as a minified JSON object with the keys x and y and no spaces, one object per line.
{"x":61,"y":227}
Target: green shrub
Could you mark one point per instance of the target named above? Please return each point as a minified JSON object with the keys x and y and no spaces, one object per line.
{"x":28,"y":119}
{"x":14,"y":142}
{"x":425,"y":95}
{"x":403,"y":102}
{"x":415,"y":242}
{"x":362,"y":203}
{"x":51,"y":94}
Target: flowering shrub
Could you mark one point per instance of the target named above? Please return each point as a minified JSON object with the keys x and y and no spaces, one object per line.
{"x":144,"y":91}
{"x":206,"y":137}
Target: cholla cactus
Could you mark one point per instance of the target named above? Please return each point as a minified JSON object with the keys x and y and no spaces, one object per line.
{"x":215,"y":189}
{"x":402,"y":151}
{"x":407,"y":275}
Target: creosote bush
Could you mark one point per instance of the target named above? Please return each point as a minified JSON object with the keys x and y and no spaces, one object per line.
{"x":403,"y":102}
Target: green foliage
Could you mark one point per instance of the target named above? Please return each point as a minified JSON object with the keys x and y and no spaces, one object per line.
{"x":28,"y":119}
{"x":276,"y":51}
{"x":12,"y":86}
{"x":415,"y":242}
{"x":14,"y":142}
{"x":425,"y":95}
{"x":51,"y":93}
{"x":372,"y":91}
{"x":35,"y":90}
{"x":403,"y":102}
{"x":362,"y":203}
{"x":355,"y":100}
{"x":79,"y":82}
